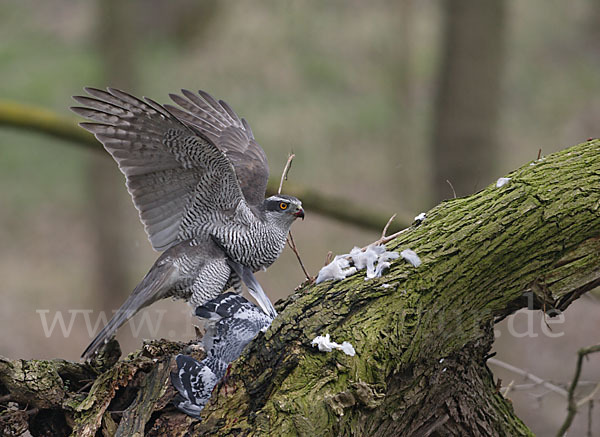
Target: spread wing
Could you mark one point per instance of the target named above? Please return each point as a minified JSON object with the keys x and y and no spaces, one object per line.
{"x":179,"y":181}
{"x":219,"y":123}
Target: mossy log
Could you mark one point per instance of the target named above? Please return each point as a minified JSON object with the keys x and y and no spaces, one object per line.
{"x":422,"y":335}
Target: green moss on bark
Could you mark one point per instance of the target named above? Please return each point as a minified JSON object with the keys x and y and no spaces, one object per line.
{"x":422,"y":335}
{"x":480,"y":255}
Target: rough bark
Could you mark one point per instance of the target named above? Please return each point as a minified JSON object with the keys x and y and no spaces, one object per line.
{"x":422,"y":335}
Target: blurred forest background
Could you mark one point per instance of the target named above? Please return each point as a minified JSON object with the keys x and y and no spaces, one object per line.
{"x":382,"y":102}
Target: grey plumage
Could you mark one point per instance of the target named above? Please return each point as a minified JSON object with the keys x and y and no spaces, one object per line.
{"x":194,"y":382}
{"x":246,"y":275}
{"x":194,"y":173}
{"x":196,"y":271}
{"x":232,"y":323}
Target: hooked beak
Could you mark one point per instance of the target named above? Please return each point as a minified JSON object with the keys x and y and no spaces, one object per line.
{"x":299,"y":213}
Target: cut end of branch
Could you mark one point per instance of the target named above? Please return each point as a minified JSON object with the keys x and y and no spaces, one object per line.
{"x":286,"y":169}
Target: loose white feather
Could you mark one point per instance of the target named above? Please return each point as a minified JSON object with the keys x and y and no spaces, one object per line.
{"x":373,"y":258}
{"x":324,"y":343}
{"x":420,"y":217}
{"x":502,"y":182}
{"x":411,"y":257}
{"x":336,"y":270}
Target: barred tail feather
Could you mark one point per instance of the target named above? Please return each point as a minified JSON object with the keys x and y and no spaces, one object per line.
{"x":152,"y":288}
{"x":254,"y":288}
{"x":194,"y":382}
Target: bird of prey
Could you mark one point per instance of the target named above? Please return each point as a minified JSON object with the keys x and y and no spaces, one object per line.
{"x":232,"y":323}
{"x":198,"y":179}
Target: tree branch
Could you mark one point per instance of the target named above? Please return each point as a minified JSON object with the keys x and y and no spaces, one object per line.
{"x":422,"y":335}
{"x":35,"y":119}
{"x":536,"y":379}
{"x":40,"y":120}
{"x":573,"y":404}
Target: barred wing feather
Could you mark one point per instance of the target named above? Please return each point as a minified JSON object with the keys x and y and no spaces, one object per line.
{"x":179,"y":180}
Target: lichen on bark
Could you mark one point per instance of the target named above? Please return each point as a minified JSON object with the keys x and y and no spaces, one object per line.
{"x":422,"y":335}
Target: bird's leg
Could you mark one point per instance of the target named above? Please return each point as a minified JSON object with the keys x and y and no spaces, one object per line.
{"x":214,"y":393}
{"x":254,"y":287}
{"x":222,"y":384}
{"x":225,"y":378}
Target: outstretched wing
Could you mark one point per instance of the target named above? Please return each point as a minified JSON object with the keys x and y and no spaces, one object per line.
{"x":179,"y":181}
{"x":218,"y":122}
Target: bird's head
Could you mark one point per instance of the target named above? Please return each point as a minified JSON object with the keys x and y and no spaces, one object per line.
{"x":283,"y":209}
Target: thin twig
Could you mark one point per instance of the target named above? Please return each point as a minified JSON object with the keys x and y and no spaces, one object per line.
{"x":293,"y":247}
{"x":290,"y":239}
{"x":539,"y":154}
{"x":589,"y":397}
{"x":451,"y":186}
{"x":539,"y":397}
{"x":544,"y":314}
{"x":530,"y":376}
{"x":387,"y":225}
{"x":572,"y":407}
{"x":286,"y":169}
{"x":521,"y":387}
{"x":328,"y":258}
{"x":384,"y":240}
{"x":590,"y":408}
{"x":508,"y":388}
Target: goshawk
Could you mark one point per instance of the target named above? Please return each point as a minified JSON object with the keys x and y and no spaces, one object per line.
{"x":198,"y":179}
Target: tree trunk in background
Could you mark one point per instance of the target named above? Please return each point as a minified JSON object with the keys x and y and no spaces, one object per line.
{"x":404,"y":53}
{"x":468,"y":95}
{"x":590,"y":114}
{"x":184,"y":22}
{"x":593,"y":28}
{"x":108,"y":200}
{"x":407,"y":145}
{"x":111,"y":209}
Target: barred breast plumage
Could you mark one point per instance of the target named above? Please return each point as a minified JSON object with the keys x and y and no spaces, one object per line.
{"x":198,"y":179}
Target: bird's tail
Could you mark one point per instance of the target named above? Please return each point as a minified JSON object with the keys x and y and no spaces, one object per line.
{"x":194,"y":382}
{"x":153,"y":287}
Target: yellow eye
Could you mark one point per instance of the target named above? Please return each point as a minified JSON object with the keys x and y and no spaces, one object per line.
{"x":283,"y":205}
